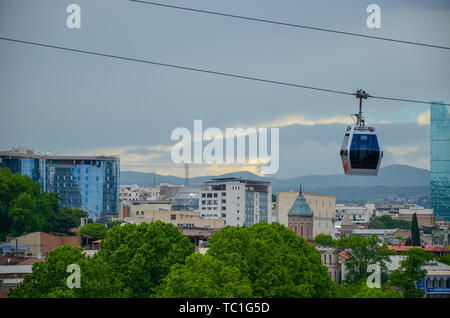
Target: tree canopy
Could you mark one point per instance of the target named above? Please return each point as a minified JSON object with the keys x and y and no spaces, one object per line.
{"x":142,"y":255}
{"x":277,"y":262}
{"x":387,"y":222}
{"x":411,"y":272}
{"x":363,"y":251}
{"x":324,"y":239}
{"x":93,"y":230}
{"x":204,"y":276}
{"x":49,"y":278}
{"x":25,"y":208}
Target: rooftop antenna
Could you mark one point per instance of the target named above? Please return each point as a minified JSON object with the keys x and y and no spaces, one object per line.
{"x":186,"y":174}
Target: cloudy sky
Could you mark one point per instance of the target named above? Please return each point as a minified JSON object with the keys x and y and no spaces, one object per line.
{"x":71,"y":103}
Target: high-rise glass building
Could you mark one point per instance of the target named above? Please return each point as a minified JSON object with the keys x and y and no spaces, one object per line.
{"x":440,"y":160}
{"x":87,"y":182}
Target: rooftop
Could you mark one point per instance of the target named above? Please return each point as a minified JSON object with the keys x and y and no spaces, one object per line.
{"x":300,"y":206}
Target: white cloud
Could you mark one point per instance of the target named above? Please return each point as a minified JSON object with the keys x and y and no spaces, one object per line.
{"x":424,"y":118}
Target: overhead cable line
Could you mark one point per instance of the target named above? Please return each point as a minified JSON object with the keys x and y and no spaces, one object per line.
{"x":202,"y":70}
{"x":291,"y":24}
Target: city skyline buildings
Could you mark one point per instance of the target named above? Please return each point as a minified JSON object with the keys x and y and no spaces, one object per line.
{"x":90,"y":183}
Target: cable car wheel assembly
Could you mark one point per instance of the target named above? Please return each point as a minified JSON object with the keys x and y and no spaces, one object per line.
{"x":361,"y":152}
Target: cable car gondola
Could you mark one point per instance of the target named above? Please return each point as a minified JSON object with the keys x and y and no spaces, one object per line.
{"x":361,"y":152}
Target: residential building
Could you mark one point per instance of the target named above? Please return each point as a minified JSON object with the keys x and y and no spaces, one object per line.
{"x":87,"y":182}
{"x":425,"y":217}
{"x":323,"y":207}
{"x":40,"y":243}
{"x":357,"y":214}
{"x":436,"y":283}
{"x":330,"y":258}
{"x":441,"y":236}
{"x":238,"y":201}
{"x":11,"y":276}
{"x":440,"y":160}
{"x":385,"y":235}
{"x":436,"y":250}
{"x":139,"y":208}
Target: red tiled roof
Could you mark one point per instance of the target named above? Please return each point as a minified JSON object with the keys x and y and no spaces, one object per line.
{"x":344,"y":254}
{"x":428,"y":248}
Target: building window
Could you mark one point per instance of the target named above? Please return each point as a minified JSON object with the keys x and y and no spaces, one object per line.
{"x":173,"y":217}
{"x":209,"y":195}
{"x":215,"y":195}
{"x":203,"y":195}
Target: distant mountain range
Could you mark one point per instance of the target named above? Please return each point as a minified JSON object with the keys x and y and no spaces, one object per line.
{"x":392,"y":181}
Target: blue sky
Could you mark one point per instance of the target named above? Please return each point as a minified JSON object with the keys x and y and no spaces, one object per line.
{"x":70,"y":103}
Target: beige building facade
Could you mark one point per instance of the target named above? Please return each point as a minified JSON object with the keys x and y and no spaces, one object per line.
{"x":180,"y":219}
{"x":323,"y":207}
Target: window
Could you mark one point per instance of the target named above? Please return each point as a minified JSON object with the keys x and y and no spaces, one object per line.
{"x":209,"y":195}
{"x":96,"y":178}
{"x":173,"y":217}
{"x":203,"y":195}
{"x":87,"y":170}
{"x":86,"y":178}
{"x":324,"y":259}
{"x":329,"y":259}
{"x":224,"y":194}
{"x":215,"y":195}
{"x":203,"y":201}
{"x":224,"y":201}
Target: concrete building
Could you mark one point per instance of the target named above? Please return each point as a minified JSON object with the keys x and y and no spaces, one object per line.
{"x":347,"y":227}
{"x":87,"y":182}
{"x":357,"y":214}
{"x":330,"y":258}
{"x":436,"y":283}
{"x":238,"y":201}
{"x":322,"y":206}
{"x":425,"y":217}
{"x":40,"y":243}
{"x":385,"y":235}
{"x":11,"y":276}
{"x":189,"y":223}
{"x":139,"y":208}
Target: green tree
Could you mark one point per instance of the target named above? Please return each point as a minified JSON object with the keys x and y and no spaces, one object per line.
{"x":410,"y":272}
{"x":324,"y":239}
{"x":363,"y":251}
{"x":24,"y":208}
{"x":445,"y":259}
{"x":142,"y":255}
{"x":361,"y":290}
{"x":204,"y":276}
{"x":277,"y":262}
{"x":415,"y":232}
{"x":93,"y":230}
{"x":49,"y":278}
{"x":387,"y":222}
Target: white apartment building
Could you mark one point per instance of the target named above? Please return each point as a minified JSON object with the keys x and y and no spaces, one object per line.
{"x":238,"y":201}
{"x":357,"y":214}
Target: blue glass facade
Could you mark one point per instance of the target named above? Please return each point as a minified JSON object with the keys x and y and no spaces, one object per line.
{"x":440,"y":160}
{"x":89,"y":183}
